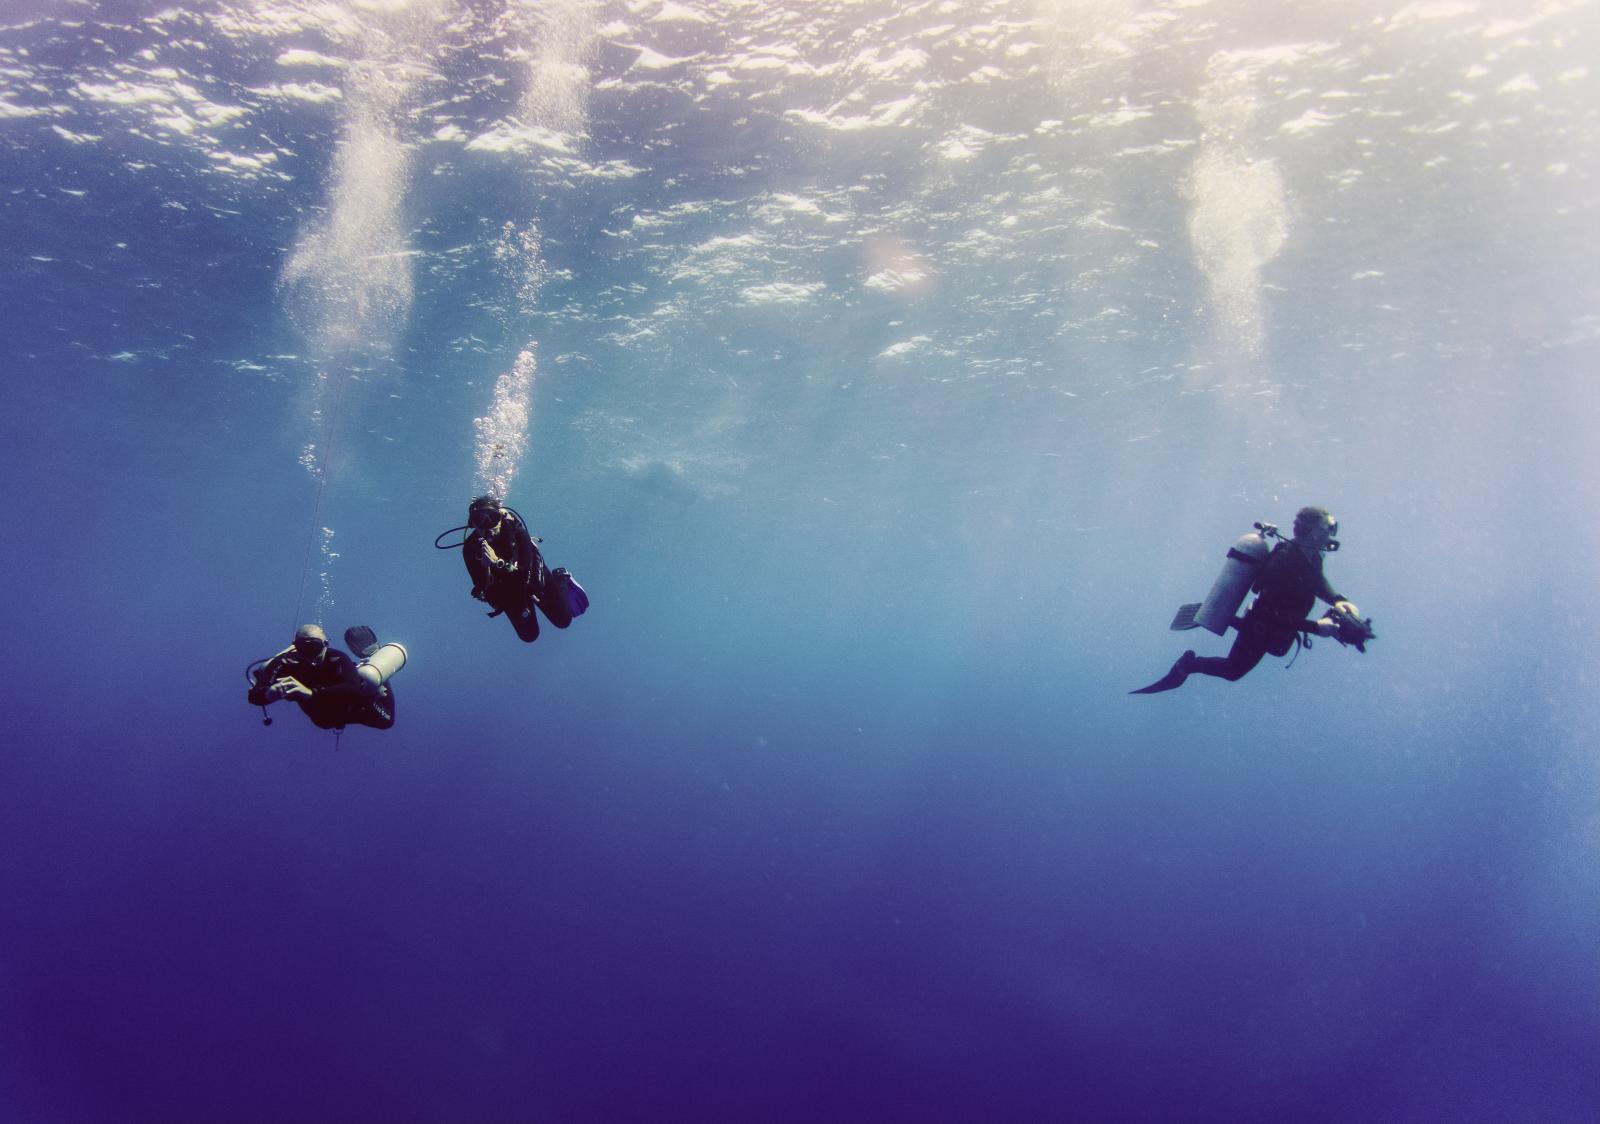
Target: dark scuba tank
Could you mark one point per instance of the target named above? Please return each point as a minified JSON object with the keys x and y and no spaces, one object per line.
{"x":1228,"y":592}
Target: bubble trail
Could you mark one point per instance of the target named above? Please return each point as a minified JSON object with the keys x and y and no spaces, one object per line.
{"x":502,"y":433}
{"x":347,"y":284}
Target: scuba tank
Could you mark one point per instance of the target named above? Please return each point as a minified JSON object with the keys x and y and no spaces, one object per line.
{"x":1228,"y":592}
{"x":381,"y":664}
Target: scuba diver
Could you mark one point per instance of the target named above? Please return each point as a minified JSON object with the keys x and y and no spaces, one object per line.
{"x":331,"y":688}
{"x":509,"y":574}
{"x":1287,"y":582}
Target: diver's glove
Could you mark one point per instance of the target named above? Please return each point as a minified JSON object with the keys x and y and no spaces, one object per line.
{"x":478,"y":594}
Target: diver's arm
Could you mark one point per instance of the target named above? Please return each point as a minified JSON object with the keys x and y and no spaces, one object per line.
{"x":1330,"y":625}
{"x":1326,"y":591}
{"x":492,"y":561}
{"x":261,"y":693}
{"x":274,"y":683}
{"x":474,"y":553}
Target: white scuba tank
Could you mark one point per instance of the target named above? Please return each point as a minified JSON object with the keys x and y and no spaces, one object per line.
{"x":381,"y":666}
{"x":1228,"y":591}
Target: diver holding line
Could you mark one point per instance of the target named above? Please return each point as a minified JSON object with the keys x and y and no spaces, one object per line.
{"x":1287,"y":581}
{"x":332,"y":689}
{"x":508,"y":571}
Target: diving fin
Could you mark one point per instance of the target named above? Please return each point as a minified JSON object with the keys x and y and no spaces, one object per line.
{"x":361,"y":640}
{"x":1185,"y":618}
{"x":1172,"y":679}
{"x":577,"y":601}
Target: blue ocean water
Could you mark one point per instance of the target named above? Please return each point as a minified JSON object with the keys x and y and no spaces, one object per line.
{"x":888,"y":374}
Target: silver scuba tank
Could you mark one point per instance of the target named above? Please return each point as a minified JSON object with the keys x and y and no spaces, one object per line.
{"x":381,"y":666}
{"x":1228,"y":592}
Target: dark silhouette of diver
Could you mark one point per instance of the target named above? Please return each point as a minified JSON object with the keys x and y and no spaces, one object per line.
{"x":1287,"y":585}
{"x":331,"y":688}
{"x":509,"y":574}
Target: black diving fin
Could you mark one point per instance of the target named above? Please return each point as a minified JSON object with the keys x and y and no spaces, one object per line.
{"x":1185,"y":618}
{"x":1172,"y":679}
{"x":361,"y":640}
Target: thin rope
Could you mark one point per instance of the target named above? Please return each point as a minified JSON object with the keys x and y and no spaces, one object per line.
{"x":316,"y":506}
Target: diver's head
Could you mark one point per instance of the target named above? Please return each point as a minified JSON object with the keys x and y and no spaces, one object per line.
{"x":1314,"y":527}
{"x":483,"y":513}
{"x":310,"y":643}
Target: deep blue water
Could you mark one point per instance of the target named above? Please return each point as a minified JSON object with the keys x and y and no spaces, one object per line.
{"x":898,"y":370}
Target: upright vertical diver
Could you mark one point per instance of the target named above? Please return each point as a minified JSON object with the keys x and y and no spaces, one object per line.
{"x":331,"y":688}
{"x":509,"y":574}
{"x":1287,"y":583}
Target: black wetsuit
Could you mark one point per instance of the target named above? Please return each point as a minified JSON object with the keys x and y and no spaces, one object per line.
{"x":513,"y":591}
{"x":1286,"y":589}
{"x":339,"y":696}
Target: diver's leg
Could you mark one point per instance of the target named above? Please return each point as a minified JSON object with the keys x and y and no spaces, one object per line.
{"x":321,"y":717}
{"x":524,"y":620}
{"x":553,"y":603}
{"x":514,"y":602}
{"x":1246,"y":652}
{"x":379,"y":712}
